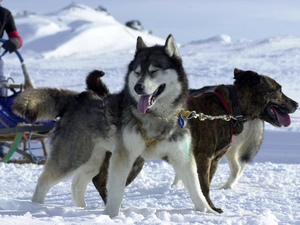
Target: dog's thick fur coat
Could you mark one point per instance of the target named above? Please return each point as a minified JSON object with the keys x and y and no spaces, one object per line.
{"x":140,"y":121}
{"x":260,"y":98}
{"x":83,"y":133}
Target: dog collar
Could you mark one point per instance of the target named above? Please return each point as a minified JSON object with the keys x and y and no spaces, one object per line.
{"x":183,"y":113}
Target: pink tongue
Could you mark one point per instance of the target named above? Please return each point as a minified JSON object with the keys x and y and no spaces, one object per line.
{"x":144,"y":103}
{"x":283,"y":118}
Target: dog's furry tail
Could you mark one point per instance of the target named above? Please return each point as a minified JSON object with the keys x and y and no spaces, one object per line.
{"x":42,"y":104}
{"x":95,"y":84}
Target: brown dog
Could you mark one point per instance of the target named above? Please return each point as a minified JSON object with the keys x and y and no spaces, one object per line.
{"x":252,"y":96}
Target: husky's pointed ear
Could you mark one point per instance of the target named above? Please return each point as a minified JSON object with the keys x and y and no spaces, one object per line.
{"x":140,"y":43}
{"x":171,"y":47}
{"x":237,"y":71}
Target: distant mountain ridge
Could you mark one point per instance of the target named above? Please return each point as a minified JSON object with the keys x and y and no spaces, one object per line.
{"x":76,"y":29}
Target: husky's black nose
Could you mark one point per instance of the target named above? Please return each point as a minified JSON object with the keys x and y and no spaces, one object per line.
{"x":139,"y":88}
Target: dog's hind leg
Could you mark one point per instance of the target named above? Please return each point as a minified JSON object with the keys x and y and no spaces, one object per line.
{"x":49,"y":177}
{"x":84,"y":175}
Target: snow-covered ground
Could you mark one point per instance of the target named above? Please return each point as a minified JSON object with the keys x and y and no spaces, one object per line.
{"x":268,"y":192}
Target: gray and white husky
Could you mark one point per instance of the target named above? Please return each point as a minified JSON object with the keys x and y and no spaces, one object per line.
{"x":156,"y":90}
{"x":141,"y":120}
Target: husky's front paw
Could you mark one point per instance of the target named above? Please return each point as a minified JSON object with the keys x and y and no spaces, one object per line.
{"x":111,"y":211}
{"x":37,"y":198}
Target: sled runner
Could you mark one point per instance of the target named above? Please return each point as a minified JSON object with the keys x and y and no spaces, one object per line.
{"x":15,"y":131}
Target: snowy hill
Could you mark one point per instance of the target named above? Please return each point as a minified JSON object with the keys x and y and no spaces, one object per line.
{"x":76,"y":29}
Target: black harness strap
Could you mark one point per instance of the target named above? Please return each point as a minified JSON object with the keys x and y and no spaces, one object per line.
{"x":236,"y":111}
{"x":235,"y":104}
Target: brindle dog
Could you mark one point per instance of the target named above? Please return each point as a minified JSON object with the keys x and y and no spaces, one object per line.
{"x":252,"y":96}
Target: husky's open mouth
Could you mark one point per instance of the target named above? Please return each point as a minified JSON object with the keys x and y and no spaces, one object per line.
{"x":146,"y":101}
{"x":278,"y":115}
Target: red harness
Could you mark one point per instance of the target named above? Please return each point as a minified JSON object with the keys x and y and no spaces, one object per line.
{"x":228,"y":111}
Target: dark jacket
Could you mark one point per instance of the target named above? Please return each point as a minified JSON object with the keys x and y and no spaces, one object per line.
{"x":7,"y":24}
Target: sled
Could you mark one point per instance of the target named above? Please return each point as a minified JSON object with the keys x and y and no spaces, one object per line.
{"x":16,"y":131}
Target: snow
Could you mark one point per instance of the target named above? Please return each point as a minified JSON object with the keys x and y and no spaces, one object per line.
{"x":193,"y":19}
{"x":268,"y":193}
{"x":61,"y":47}
{"x":65,"y":33}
